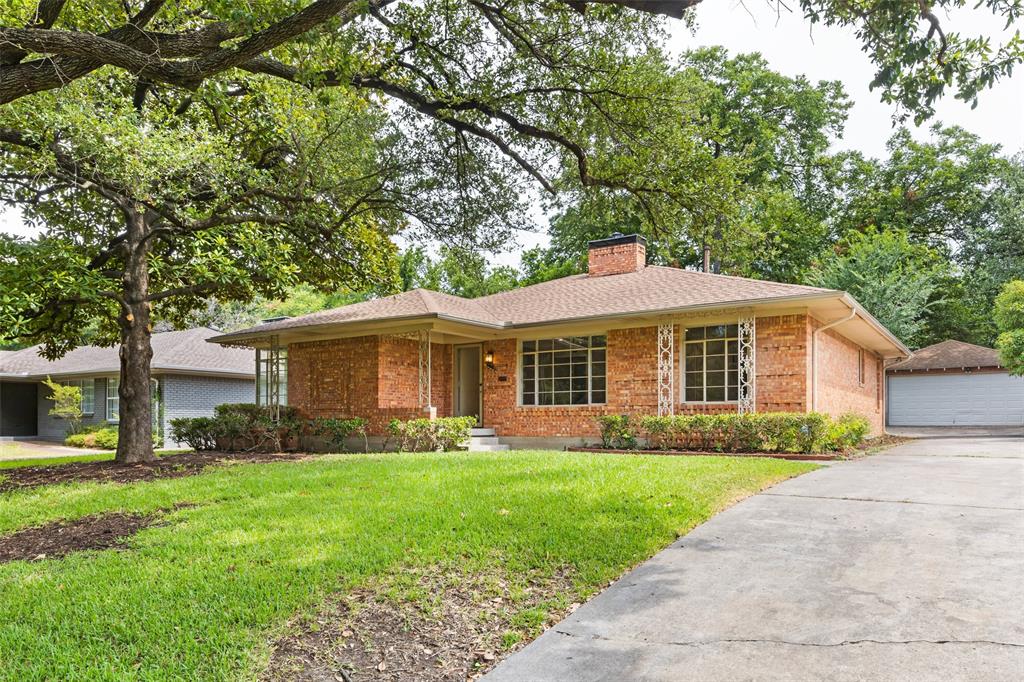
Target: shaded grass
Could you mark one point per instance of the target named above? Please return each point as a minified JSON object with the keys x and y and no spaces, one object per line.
{"x":71,"y":459}
{"x":202,"y":595}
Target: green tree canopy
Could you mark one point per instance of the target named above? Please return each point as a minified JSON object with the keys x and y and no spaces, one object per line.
{"x":1009,"y":318}
{"x":891,"y":277}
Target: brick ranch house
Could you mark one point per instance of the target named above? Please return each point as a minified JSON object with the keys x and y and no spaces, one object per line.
{"x":537,"y":364}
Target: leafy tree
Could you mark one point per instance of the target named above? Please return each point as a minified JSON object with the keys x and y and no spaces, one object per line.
{"x":1009,"y":318}
{"x":458,"y":271}
{"x":156,"y":192}
{"x":955,"y":194}
{"x":67,"y":403}
{"x":891,"y":277}
{"x":749,"y":173}
{"x":187,"y":43}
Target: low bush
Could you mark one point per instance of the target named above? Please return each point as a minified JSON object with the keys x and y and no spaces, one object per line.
{"x":766,"y":432}
{"x":337,"y":431}
{"x":617,"y":431}
{"x":98,"y":436}
{"x":430,"y":435}
{"x":239,"y":426}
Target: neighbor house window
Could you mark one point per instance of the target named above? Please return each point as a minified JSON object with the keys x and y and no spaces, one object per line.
{"x":264,"y":368}
{"x":711,"y":364}
{"x":565,"y":371}
{"x":113,"y":401}
{"x":87,"y":388}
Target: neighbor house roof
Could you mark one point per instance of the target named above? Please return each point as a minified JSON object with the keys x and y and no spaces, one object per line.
{"x":949,"y":355}
{"x":181,"y":352}
{"x":651,"y":289}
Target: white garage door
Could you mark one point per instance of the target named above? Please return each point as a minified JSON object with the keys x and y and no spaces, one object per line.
{"x":956,"y":400}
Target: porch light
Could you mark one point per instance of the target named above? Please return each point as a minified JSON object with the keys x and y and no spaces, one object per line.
{"x":489,"y":359}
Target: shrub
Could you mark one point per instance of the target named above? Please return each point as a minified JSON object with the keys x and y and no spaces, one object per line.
{"x":767,"y":432}
{"x":848,"y":431}
{"x":107,"y":438}
{"x":617,"y":431}
{"x":198,"y":433}
{"x":429,"y":435}
{"x":95,"y":436}
{"x":337,"y":431}
{"x":239,"y":426}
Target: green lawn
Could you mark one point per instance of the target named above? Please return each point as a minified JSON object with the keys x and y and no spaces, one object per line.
{"x":68,"y":459}
{"x":202,"y":596}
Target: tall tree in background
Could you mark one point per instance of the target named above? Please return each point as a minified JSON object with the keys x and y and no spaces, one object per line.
{"x":956,"y":195}
{"x":1009,"y":317}
{"x":751,"y":174}
{"x":893,"y":278}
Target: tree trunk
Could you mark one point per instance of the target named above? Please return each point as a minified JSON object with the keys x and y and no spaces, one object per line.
{"x":135,"y":431}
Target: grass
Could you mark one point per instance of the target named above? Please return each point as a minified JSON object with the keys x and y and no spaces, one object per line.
{"x":203,"y":595}
{"x":71,"y":459}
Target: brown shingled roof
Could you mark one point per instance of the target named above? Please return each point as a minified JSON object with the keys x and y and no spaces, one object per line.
{"x":949,"y":355}
{"x":650,"y":289}
{"x":180,"y":351}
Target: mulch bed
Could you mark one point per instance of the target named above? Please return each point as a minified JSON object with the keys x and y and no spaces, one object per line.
{"x":170,"y":466}
{"x":364,"y":636}
{"x":60,"y":538}
{"x":694,"y":453}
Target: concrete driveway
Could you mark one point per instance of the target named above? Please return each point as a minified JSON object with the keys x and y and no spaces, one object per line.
{"x":908,"y":565}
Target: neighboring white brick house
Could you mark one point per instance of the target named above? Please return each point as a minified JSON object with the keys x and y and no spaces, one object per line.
{"x":191,"y":378}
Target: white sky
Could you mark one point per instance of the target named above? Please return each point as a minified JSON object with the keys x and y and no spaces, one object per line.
{"x":791,"y":46}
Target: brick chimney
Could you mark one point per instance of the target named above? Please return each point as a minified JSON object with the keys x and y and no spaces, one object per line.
{"x":617,"y":255}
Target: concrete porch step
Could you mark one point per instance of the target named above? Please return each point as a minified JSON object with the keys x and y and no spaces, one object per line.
{"x":483,"y":439}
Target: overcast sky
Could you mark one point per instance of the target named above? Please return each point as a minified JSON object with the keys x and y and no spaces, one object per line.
{"x":793,"y":47}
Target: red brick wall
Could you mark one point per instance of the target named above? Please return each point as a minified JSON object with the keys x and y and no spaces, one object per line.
{"x":366,"y":376}
{"x":782,"y":363}
{"x":616,"y":259}
{"x":838,"y":389}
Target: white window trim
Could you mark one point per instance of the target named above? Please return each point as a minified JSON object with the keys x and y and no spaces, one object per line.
{"x":113,"y":416}
{"x":81,"y":383}
{"x":681,"y":366}
{"x":590,"y":388}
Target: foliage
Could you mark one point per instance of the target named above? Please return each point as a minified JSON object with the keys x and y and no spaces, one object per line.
{"x":458,"y":271}
{"x":198,"y":433}
{"x":103,"y":437}
{"x":617,"y":431}
{"x":764,"y":432}
{"x":443,"y":434}
{"x":337,"y":431}
{"x":67,"y":403}
{"x":891,"y":277}
{"x":258,"y":544}
{"x":240,"y":426}
{"x":954,"y":194}
{"x":1009,"y":318}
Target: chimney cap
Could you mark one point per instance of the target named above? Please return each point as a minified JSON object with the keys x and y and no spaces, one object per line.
{"x":617,"y":238}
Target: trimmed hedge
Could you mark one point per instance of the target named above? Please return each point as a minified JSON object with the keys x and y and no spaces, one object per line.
{"x":766,"y":432}
{"x":430,"y":435}
{"x":337,"y":431}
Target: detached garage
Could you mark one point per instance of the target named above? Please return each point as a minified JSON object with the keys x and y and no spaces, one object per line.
{"x":954,"y":384}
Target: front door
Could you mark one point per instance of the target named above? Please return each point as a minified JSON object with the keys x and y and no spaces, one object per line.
{"x":468,"y":376}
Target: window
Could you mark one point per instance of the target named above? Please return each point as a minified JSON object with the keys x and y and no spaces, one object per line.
{"x":87,"y":387}
{"x":264,"y":366}
{"x":711,"y":364}
{"x":860,"y":366}
{"x":567,"y":371}
{"x":113,"y":401}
